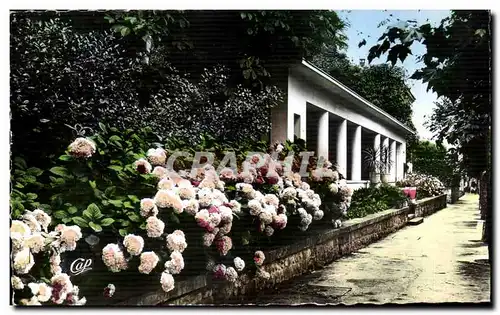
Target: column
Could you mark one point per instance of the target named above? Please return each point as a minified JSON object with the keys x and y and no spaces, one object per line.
{"x":393,"y":161}
{"x":402,"y":161}
{"x":322,"y":145}
{"x":385,"y":145}
{"x":399,"y":165}
{"x":376,"y":147}
{"x":342,"y":148}
{"x":356,"y":155}
{"x":279,"y":123}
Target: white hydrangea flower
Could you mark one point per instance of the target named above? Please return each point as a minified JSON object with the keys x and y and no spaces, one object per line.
{"x":23,"y":261}
{"x":16,"y":283}
{"x":134,"y":244}
{"x":239,"y":264}
{"x":167,"y":282}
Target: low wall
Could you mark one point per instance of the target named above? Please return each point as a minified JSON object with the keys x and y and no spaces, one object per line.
{"x":428,"y":206}
{"x":292,"y":260}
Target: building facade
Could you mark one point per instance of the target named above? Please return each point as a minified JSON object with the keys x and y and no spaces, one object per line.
{"x":337,"y":124}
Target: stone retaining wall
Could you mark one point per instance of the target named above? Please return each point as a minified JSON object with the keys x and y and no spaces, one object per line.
{"x":293,"y":260}
{"x":430,"y":205}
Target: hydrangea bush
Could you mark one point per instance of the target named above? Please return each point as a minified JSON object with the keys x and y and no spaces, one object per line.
{"x":37,"y":277}
{"x":427,"y":185}
{"x":231,"y":213}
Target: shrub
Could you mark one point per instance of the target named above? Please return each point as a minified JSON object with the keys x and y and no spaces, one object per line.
{"x":427,"y":185}
{"x":62,"y":78}
{"x":371,"y":200}
{"x":24,"y":187}
{"x":111,"y":189}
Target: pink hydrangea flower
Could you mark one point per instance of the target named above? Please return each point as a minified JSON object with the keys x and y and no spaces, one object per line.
{"x":149,"y":260}
{"x":224,"y":245}
{"x":154,"y":227}
{"x":219,"y":272}
{"x":82,"y":148}
{"x":113,"y":258}
{"x":259,"y":258}
{"x":142,"y":166}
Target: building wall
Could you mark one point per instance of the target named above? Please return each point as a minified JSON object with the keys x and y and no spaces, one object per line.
{"x":308,"y":101}
{"x":300,"y":92}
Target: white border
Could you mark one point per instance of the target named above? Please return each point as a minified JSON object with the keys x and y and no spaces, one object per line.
{"x":197,"y":4}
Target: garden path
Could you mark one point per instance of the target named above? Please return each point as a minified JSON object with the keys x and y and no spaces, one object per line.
{"x":440,"y":260}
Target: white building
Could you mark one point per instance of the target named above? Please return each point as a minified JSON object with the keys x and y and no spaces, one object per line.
{"x":337,"y":123}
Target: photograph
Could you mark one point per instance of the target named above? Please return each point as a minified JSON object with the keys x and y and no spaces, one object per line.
{"x":250,"y":158}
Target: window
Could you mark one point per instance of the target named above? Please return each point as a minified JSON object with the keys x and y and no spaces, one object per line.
{"x":296,"y":126}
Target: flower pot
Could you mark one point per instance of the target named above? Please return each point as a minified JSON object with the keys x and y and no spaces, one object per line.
{"x":374,"y":177}
{"x":385,"y":178}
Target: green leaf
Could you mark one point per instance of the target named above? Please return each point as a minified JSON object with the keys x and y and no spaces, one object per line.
{"x":102,"y":127}
{"x":481,"y":32}
{"x":116,"y":203}
{"x":61,"y":214}
{"x":110,"y":21}
{"x":95,"y":227}
{"x":59,"y":170}
{"x":115,"y":168}
{"x":66,"y":220}
{"x":34,"y":171}
{"x":247,"y":73}
{"x":81,"y":222}
{"x":123,"y":232}
{"x":65,"y":157}
{"x":362,"y":43}
{"x":245,"y":238}
{"x":92,"y":184}
{"x":93,"y":212}
{"x":107,"y":221}
{"x":124,"y":223}
{"x":128,"y":205}
{"x":72,"y":210}
{"x":133,"y":217}
{"x":115,"y":138}
{"x":393,"y":55}
{"x":20,"y":162}
{"x":31,"y":196}
{"x":110,"y":191}
{"x":125,"y":31}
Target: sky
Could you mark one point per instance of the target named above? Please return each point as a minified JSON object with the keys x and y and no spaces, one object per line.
{"x":363,"y":24}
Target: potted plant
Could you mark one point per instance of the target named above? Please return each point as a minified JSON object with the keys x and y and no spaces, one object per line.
{"x":386,"y":163}
{"x":371,"y":161}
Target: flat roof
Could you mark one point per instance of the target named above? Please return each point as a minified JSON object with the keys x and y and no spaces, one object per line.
{"x":353,"y":95}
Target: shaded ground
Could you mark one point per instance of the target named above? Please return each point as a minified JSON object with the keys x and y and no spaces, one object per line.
{"x":440,"y":260}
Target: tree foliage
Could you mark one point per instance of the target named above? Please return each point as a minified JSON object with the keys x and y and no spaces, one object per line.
{"x":434,"y":159}
{"x":65,"y":80}
{"x":457,"y":67}
{"x":253,"y":44}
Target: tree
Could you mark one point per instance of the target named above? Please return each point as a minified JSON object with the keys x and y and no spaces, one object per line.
{"x":253,"y":44}
{"x":433,"y":159}
{"x":457,"y":66}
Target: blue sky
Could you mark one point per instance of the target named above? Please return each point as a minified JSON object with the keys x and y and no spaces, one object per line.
{"x":363,"y":25}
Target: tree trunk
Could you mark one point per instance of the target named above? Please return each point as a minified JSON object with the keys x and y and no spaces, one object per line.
{"x":483,"y":195}
{"x":486,"y":206}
